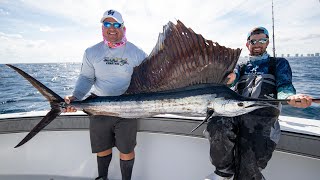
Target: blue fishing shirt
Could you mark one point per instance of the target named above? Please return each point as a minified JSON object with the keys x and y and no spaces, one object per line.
{"x":283,"y":73}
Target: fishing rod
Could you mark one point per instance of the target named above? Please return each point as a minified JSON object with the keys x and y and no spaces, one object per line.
{"x":273,"y":43}
{"x":315,"y":100}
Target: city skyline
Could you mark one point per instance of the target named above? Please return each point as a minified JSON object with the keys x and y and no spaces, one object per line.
{"x":299,"y":55}
{"x":292,"y":55}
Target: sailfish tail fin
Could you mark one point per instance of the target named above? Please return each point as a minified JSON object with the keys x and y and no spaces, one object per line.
{"x":51,"y":96}
{"x":50,"y":116}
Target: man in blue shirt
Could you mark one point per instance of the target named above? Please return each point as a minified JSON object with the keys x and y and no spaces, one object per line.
{"x":241,"y":147}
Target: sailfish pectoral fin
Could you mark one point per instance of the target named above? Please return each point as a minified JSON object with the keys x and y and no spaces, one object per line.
{"x":209,"y":114}
{"x":50,"y":116}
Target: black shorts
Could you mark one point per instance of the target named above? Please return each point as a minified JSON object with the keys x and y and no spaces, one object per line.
{"x":108,"y":132}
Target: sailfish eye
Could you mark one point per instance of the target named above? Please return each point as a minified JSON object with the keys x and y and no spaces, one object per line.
{"x":240,"y":104}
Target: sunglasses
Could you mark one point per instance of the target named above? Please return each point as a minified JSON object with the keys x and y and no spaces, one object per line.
{"x":114,"y":24}
{"x":261,"y":41}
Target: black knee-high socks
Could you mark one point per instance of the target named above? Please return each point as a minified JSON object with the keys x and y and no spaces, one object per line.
{"x":126,"y":168}
{"x":103,"y":166}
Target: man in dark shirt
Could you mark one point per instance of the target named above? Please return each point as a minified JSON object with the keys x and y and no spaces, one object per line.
{"x":241,"y":147}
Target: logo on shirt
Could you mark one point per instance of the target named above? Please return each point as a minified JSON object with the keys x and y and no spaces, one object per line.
{"x":253,"y":70}
{"x":115,"y":61}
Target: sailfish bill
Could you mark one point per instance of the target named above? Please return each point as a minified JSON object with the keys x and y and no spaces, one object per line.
{"x":185,"y":74}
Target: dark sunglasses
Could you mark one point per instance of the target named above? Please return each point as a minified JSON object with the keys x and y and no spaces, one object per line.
{"x":114,"y":24}
{"x":261,"y":41}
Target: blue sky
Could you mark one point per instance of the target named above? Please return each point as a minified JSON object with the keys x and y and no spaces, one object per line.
{"x":60,"y":30}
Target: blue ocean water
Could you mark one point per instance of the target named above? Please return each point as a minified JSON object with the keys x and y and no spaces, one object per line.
{"x":18,"y":95}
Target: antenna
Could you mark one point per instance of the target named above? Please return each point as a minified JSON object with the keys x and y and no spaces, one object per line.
{"x":274,"y":46}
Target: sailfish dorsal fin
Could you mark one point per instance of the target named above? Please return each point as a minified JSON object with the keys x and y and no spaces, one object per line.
{"x":182,"y":58}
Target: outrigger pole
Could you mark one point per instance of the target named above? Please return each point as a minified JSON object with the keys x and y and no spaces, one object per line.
{"x":274,"y":47}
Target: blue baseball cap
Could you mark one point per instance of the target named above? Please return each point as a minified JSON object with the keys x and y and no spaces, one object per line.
{"x":258,"y":30}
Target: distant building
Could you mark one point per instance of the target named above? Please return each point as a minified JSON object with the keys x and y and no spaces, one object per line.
{"x":301,"y":55}
{"x":288,"y":55}
{"x":308,"y":55}
{"x":317,"y":54}
{"x":297,"y":55}
{"x":282,"y":55}
{"x":312,"y":55}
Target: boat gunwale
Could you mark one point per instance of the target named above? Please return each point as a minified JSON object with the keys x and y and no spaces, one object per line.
{"x":290,"y":142}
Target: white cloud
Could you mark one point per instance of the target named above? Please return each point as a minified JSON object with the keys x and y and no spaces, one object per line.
{"x":83,"y":12}
{"x":3,"y":12}
{"x":22,"y":50}
{"x":9,"y":36}
{"x":47,"y":29}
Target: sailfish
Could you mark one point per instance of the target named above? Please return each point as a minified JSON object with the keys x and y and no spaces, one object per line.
{"x":185,"y":74}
